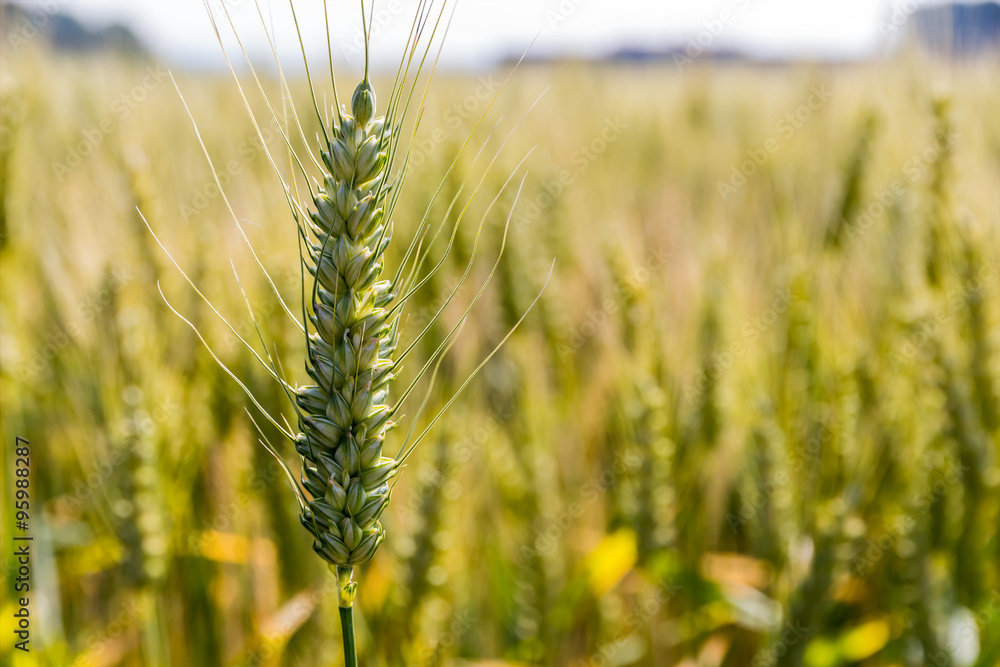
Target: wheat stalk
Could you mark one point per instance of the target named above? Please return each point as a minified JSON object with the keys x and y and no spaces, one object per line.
{"x":351,"y":315}
{"x":344,"y":416}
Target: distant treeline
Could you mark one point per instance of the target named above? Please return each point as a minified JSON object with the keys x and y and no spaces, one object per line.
{"x":21,"y":24}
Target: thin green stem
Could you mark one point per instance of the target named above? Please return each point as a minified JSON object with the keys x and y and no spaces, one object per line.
{"x":347,"y":623}
{"x":346,"y":590}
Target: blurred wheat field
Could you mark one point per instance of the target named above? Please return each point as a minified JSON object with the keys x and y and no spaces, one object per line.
{"x":752,"y":420}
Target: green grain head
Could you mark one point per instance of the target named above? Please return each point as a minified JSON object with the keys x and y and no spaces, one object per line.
{"x":345,"y":414}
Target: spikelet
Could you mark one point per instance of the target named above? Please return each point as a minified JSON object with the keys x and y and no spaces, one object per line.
{"x":918,"y":572}
{"x":344,"y":416}
{"x":639,"y":417}
{"x":810,"y":599}
{"x":981,"y":358}
{"x":767,"y":441}
{"x":428,"y":524}
{"x":633,"y":300}
{"x":707,"y":423}
{"x":851,"y":199}
{"x":641,"y":428}
{"x":972,"y":453}
{"x":9,"y":121}
{"x":940,"y":251}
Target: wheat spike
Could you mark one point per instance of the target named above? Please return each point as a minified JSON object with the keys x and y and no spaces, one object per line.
{"x":351,"y":314}
{"x":344,"y":416}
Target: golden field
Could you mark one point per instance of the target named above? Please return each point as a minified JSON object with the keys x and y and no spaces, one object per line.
{"x":752,"y":419}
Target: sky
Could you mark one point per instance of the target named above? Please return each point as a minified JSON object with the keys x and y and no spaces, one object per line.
{"x":180,"y":31}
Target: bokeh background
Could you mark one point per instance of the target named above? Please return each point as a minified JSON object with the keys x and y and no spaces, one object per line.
{"x":752,"y":420}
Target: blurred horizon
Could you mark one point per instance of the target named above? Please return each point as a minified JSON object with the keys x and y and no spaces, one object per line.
{"x":489,"y":32}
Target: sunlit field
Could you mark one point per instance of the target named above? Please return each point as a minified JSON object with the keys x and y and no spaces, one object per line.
{"x":752,"y":418}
